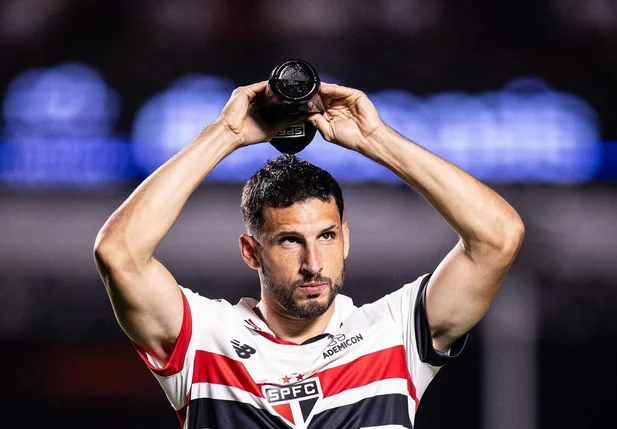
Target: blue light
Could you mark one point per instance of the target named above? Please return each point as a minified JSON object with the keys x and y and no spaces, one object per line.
{"x":59,"y":129}
{"x":344,"y":164}
{"x":40,"y":164}
{"x":525,"y":132}
{"x":70,"y":100}
{"x":171,"y":119}
{"x":59,"y":126}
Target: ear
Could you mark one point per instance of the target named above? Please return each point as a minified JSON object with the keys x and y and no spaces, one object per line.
{"x":345,"y":227}
{"x":249,"y":251}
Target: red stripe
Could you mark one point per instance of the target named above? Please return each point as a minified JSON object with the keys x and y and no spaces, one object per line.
{"x":219,"y":369}
{"x":285,"y":411}
{"x":381,"y":365}
{"x":276,"y":340}
{"x":175,"y":364}
{"x":181,"y":413}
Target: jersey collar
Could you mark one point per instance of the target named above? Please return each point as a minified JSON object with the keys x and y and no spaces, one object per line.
{"x":343,"y":307}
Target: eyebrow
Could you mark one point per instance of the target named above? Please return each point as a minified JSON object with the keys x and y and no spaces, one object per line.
{"x":331,"y":227}
{"x":297,"y":234}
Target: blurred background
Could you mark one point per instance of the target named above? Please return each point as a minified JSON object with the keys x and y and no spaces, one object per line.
{"x":96,"y":94}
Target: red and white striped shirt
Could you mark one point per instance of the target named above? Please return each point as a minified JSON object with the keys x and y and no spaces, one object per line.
{"x":368,"y":370}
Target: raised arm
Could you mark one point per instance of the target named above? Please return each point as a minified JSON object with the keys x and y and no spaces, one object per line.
{"x":145,"y":296}
{"x":491,"y":232}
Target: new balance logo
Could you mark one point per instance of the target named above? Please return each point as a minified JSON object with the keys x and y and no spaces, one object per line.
{"x":242,"y":350}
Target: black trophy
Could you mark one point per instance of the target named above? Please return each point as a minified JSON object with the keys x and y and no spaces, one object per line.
{"x":293,"y":89}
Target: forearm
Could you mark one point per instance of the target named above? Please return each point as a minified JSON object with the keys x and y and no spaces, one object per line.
{"x":483,"y":219}
{"x":141,"y":222}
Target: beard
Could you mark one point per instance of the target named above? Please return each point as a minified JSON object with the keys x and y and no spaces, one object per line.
{"x":284,"y":294}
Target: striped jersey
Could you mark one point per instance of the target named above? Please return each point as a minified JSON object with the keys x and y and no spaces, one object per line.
{"x":368,"y":370}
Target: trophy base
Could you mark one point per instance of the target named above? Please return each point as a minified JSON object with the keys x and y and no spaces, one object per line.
{"x":294,"y":138}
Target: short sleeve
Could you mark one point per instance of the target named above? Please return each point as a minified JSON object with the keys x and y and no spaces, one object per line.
{"x":176,"y":375}
{"x":176,"y":361}
{"x":406,"y":308}
{"x":422,"y":331}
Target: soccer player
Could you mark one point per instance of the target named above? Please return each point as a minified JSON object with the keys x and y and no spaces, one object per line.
{"x":303,"y":356}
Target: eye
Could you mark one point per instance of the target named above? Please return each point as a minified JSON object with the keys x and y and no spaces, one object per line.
{"x":289,"y":239}
{"x":328,"y":235}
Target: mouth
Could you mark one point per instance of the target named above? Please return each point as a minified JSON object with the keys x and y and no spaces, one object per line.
{"x":313,"y":288}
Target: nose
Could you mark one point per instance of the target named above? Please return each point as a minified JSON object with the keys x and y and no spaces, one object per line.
{"x":311,"y":263}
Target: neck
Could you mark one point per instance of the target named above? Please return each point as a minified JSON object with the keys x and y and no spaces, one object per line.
{"x":289,"y":328}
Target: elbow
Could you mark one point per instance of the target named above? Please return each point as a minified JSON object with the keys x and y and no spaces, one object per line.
{"x":102,"y":249}
{"x":105,"y":250}
{"x":501,"y":243}
{"x":110,"y":253}
{"x":512,"y":236}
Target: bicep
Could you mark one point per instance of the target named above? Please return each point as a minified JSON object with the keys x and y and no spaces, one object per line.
{"x":460,"y":292}
{"x":148,"y":305}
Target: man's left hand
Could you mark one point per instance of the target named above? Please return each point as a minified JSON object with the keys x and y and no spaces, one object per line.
{"x":350,"y":118}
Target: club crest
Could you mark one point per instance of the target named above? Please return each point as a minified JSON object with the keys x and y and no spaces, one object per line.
{"x":294,"y":403}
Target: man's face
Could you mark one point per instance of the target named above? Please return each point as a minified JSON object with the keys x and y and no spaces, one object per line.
{"x":302,"y":255}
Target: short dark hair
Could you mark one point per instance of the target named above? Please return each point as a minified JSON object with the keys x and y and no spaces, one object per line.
{"x":283,"y":181}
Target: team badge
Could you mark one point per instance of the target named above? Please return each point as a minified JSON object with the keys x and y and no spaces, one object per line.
{"x":294,"y":403}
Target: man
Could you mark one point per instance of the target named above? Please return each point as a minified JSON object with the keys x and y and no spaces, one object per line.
{"x":303,"y":356}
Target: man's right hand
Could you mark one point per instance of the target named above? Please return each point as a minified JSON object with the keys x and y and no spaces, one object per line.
{"x":240,"y":117}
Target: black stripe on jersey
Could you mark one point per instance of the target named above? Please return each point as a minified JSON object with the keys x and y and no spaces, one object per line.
{"x":374,"y":411}
{"x":427,"y":352}
{"x":222,"y":414}
{"x":315,"y":339}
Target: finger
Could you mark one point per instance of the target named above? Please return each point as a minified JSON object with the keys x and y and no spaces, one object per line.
{"x":251,"y":91}
{"x":242,"y":97}
{"x":321,"y":123}
{"x":337,"y":91}
{"x":258,"y":87}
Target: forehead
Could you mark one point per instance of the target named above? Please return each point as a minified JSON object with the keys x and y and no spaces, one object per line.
{"x":302,"y":216}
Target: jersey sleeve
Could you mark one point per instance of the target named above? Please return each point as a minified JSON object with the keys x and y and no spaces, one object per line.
{"x":176,"y":375}
{"x":422,"y":331}
{"x":407,"y":309}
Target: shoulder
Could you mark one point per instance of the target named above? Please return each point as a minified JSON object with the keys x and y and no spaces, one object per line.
{"x":193,"y":296}
{"x":405,"y":296}
{"x":201,"y":306}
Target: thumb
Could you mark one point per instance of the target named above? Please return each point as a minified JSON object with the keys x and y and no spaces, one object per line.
{"x":322,"y":124}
